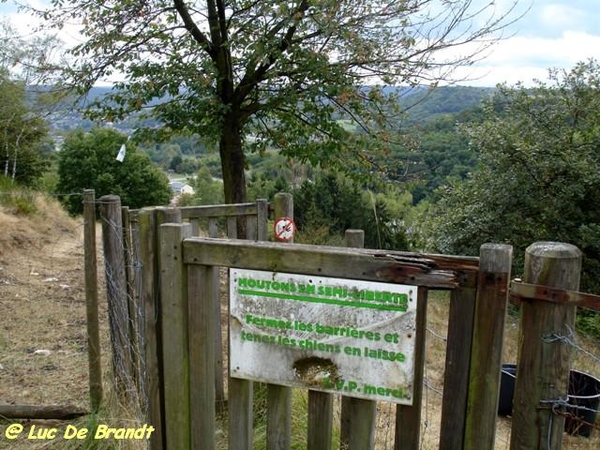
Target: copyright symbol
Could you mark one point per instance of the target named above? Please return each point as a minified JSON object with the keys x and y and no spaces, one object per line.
{"x":13,"y":431}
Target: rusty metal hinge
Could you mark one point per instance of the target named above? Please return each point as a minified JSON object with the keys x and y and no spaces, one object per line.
{"x":520,"y":291}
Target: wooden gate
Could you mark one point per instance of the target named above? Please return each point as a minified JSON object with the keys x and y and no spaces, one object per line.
{"x":478,"y":304}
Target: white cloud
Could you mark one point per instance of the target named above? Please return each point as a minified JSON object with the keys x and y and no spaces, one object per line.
{"x":561,"y":16}
{"x":526,"y":58}
{"x":569,"y":48}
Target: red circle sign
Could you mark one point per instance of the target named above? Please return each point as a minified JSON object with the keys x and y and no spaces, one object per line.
{"x":285,"y":228}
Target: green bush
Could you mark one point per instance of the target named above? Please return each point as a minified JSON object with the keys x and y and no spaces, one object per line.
{"x":88,"y":161}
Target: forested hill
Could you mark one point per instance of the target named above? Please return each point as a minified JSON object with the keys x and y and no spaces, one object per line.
{"x":421,"y":104}
{"x":426,"y":105}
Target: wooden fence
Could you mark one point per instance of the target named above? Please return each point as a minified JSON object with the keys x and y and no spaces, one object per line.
{"x":180,"y":370}
{"x":165,"y":326}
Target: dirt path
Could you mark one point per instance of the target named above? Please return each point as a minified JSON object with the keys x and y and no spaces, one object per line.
{"x":43,"y":327}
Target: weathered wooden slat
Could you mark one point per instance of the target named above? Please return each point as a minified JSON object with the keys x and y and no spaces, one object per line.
{"x":486,"y":355}
{"x":91,"y":299}
{"x":41,"y":412}
{"x":456,"y":374}
{"x":116,"y":293}
{"x":320,"y":420}
{"x":213,"y":227}
{"x":139,"y":316}
{"x":262,"y":217}
{"x":279,"y":413}
{"x":235,"y":209}
{"x":408,"y":418}
{"x":279,"y":398}
{"x":374,"y":265}
{"x":520,"y":291}
{"x":457,"y":263}
{"x":358,"y":415}
{"x":201,"y":297}
{"x":358,"y":424}
{"x":251,"y":228}
{"x":213,"y":231}
{"x":132,"y":312}
{"x":232,"y":227}
{"x":355,"y":413}
{"x":167,"y":214}
{"x":195,"y":226}
{"x":240,"y":392}
{"x":174,"y":309}
{"x":150,"y":290}
{"x":240,"y":406}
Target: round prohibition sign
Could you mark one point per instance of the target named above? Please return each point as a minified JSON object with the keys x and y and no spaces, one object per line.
{"x":285,"y":228}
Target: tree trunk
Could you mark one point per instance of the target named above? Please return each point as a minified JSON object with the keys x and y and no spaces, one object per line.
{"x":232,"y":160}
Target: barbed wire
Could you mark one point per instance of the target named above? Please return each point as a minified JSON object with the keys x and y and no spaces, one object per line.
{"x":426,"y":383}
{"x":556,"y":403}
{"x":569,"y":340}
{"x":557,"y":407}
{"x":425,"y":424}
{"x":564,"y":406}
{"x":129,"y":331}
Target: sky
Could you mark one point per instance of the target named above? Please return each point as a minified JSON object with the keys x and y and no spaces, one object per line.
{"x":551,"y":34}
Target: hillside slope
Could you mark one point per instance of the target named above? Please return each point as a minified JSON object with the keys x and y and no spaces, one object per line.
{"x":43,"y":327}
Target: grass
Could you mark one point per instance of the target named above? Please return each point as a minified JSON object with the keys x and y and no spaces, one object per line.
{"x":79,"y":434}
{"x":16,"y":199}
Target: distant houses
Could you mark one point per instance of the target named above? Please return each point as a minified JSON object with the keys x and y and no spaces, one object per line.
{"x":179,"y":188}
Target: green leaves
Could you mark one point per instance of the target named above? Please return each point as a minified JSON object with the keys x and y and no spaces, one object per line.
{"x":332,"y":204}
{"x":22,"y":133}
{"x":539,"y":171}
{"x":88,"y":161}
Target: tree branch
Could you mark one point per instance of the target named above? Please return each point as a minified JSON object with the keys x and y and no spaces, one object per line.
{"x":191,"y":26}
{"x":253,"y":75}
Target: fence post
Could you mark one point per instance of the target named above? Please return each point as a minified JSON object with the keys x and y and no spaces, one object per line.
{"x":116,"y":293}
{"x":544,"y":361}
{"x":149,"y":295}
{"x":174,"y":311}
{"x":91,"y":295}
{"x":408,"y":418}
{"x":456,"y":375}
{"x":279,"y":398}
{"x":358,"y":415}
{"x":203,"y":294}
{"x":241,"y":391}
{"x":220,"y":400}
{"x":486,"y":355}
